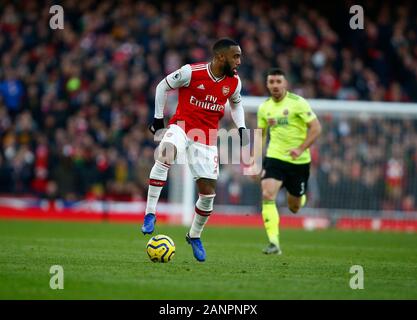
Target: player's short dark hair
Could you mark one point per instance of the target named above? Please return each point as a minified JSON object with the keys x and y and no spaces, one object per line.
{"x":222,"y":44}
{"x":275,"y":72}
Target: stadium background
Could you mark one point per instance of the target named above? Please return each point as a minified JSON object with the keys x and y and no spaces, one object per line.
{"x":75,"y":103}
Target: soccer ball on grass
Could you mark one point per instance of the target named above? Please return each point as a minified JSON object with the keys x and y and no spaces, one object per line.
{"x":160,"y":248}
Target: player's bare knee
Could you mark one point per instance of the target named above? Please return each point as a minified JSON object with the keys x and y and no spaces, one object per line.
{"x":294,"y":208}
{"x":268,"y":195}
{"x":208,"y":192}
{"x":206,"y":186}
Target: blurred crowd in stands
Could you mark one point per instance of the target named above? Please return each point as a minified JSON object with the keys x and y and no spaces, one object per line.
{"x":368,"y":164}
{"x":75,"y":103}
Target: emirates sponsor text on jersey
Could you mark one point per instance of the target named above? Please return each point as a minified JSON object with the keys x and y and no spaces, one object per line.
{"x":208,"y":104}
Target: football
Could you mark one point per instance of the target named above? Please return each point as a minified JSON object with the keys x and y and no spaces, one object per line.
{"x":160,"y":248}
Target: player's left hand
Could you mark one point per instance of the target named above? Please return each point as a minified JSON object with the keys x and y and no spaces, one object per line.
{"x":295,"y":153}
{"x":244,"y":136}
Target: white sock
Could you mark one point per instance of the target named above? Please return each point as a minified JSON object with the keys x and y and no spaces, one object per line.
{"x":203,"y":209}
{"x":157,"y":180}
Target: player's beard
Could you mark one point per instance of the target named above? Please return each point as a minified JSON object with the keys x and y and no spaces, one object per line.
{"x":280,"y":94}
{"x":228,"y":71}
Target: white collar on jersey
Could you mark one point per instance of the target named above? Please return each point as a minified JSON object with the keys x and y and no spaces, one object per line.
{"x":212,"y":76}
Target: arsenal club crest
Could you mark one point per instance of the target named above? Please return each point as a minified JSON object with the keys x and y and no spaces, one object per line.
{"x":226,"y":90}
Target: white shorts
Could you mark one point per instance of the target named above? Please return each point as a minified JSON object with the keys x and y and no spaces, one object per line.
{"x":202,"y":159}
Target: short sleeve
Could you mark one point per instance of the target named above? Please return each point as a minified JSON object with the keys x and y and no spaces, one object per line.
{"x":235,"y":98}
{"x":305,"y":111}
{"x":179,"y":78}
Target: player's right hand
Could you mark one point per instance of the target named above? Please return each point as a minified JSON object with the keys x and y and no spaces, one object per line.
{"x":295,"y":153}
{"x":156,"y":125}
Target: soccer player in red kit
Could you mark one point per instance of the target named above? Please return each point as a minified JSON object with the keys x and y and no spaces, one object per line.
{"x":203,"y":90}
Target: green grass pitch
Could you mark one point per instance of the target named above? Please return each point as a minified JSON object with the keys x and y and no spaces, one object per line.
{"x":108,"y":261}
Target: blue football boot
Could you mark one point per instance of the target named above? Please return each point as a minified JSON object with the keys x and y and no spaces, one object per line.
{"x":148,"y":223}
{"x":198,"y":249}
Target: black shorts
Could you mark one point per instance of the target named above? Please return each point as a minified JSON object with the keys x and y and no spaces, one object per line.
{"x":294,"y":177}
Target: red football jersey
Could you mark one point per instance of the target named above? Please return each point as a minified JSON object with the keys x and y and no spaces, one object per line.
{"x":201,"y":100}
